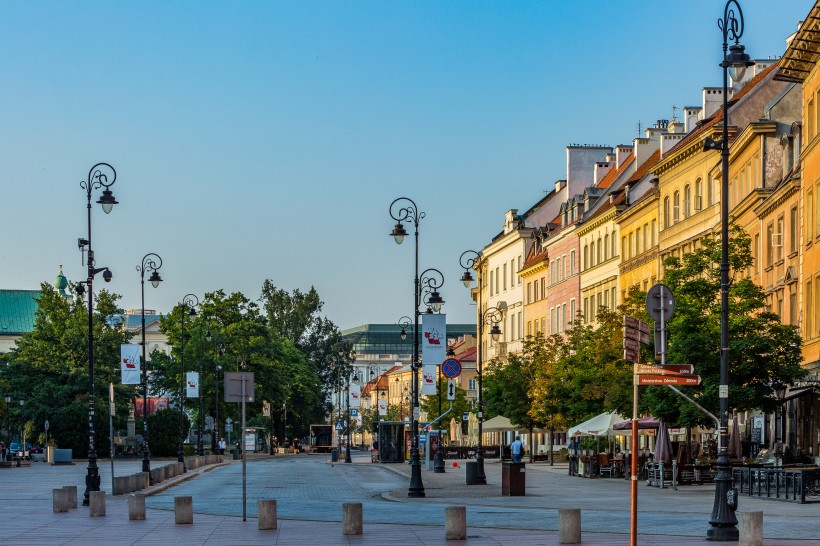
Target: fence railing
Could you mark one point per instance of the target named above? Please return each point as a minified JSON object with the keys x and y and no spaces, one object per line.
{"x":786,"y":484}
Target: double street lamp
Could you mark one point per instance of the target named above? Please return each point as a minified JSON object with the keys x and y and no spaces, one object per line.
{"x":189,"y":303}
{"x":491,"y":316}
{"x":150,"y":262}
{"x":101,"y":175}
{"x":401,"y":210}
{"x":735,"y":61}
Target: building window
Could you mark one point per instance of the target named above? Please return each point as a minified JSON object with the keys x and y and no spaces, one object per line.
{"x":586,"y":258}
{"x":778,"y":238}
{"x":809,"y":217}
{"x":807,"y":314}
{"x":614,"y":244}
{"x":698,"y":204}
{"x":756,"y":253}
{"x":666,"y":216}
{"x":687,"y":199}
{"x":793,"y":305}
{"x":572,"y":311}
{"x":606,"y":246}
{"x":504,"y":278}
{"x":591,"y":254}
{"x":572,"y":262}
{"x":676,"y":207}
{"x":770,"y":244}
{"x":529,"y":293}
{"x":793,"y":227}
{"x":472,"y":384}
{"x":652,"y":231}
{"x":519,"y":269}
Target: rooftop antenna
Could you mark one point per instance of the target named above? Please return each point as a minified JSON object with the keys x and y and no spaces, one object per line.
{"x":674,"y":109}
{"x":639,"y":128}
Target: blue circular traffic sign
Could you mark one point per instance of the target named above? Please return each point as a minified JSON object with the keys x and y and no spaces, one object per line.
{"x":451,"y":368}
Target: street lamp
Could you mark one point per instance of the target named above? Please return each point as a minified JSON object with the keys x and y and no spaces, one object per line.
{"x":438,"y":464}
{"x":348,"y":459}
{"x":22,"y":429}
{"x":7,"y":398}
{"x":189,"y":302}
{"x":221,"y":350}
{"x":780,"y":429}
{"x":735,"y":61}
{"x":401,"y":210}
{"x":150,"y":262}
{"x":101,"y":175}
{"x":199,"y":421}
{"x":491,"y":316}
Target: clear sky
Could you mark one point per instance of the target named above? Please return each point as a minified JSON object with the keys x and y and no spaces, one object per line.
{"x":265,"y":140}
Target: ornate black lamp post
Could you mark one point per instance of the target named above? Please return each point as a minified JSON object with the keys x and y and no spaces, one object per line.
{"x":348,"y":458}
{"x":189,"y":302}
{"x":723,"y":521}
{"x":101,"y":175}
{"x":405,"y":209}
{"x":150,"y":262}
{"x":491,"y":316}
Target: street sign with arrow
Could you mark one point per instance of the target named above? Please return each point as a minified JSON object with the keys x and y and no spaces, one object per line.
{"x":451,"y":389}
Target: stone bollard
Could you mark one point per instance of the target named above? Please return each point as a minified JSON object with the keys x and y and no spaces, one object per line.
{"x":120,"y":485}
{"x":97,"y":503}
{"x":156,"y":476}
{"x":455,"y":523}
{"x":352,"y":518}
{"x":146,"y":480}
{"x":183,"y":510}
{"x":136,"y":507}
{"x":751,"y":528}
{"x":267,"y":514}
{"x":60,"y":500}
{"x":72,"y":495}
{"x":569,"y":526}
{"x":180,"y":469}
{"x":132,"y":483}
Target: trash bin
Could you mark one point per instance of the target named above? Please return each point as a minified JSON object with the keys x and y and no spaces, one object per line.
{"x":334,"y":455}
{"x":237,"y":455}
{"x":513,"y":479}
{"x":472,"y":472}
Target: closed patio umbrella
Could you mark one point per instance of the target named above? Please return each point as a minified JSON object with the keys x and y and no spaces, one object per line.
{"x":663,"y":445}
{"x":735,"y":451}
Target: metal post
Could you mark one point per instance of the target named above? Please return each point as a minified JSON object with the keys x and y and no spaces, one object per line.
{"x":200,"y":445}
{"x":633,"y":489}
{"x":181,"y":450}
{"x":244,"y":458}
{"x":150,"y":262}
{"x":347,"y":448}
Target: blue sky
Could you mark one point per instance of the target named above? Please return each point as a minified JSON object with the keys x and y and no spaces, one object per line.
{"x":265,"y":140}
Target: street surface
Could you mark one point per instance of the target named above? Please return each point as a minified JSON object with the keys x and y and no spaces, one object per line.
{"x":310,"y":491}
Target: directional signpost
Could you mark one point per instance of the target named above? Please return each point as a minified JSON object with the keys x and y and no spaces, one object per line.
{"x":669,"y":369}
{"x":681,"y":379}
{"x":635,"y":333}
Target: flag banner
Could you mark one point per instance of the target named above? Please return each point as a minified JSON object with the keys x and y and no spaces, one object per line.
{"x":130,"y":364}
{"x":382,"y":407}
{"x":192,"y":382}
{"x":355,"y":396}
{"x":434,"y":338}
{"x":428,"y":380}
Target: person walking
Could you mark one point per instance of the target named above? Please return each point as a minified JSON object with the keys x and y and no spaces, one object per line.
{"x":517,"y":450}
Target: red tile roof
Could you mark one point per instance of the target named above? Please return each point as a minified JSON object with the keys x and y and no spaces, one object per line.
{"x":613,"y":174}
{"x":644,"y":168}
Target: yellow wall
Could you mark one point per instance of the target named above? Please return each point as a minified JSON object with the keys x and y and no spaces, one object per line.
{"x":638,"y":225}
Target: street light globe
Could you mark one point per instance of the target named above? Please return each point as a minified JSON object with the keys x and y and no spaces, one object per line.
{"x":107,"y":201}
{"x":467,"y":279}
{"x":403,"y":334}
{"x":435,"y":301}
{"x":155,"y":279}
{"x":737,"y":61}
{"x":398,"y":233}
{"x":495,"y":332}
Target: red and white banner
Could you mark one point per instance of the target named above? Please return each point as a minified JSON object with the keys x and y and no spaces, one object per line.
{"x":355,"y":396}
{"x":434,"y":338}
{"x":382,"y":407}
{"x":428,"y":380}
{"x":130,"y":364}
{"x":192,"y":385}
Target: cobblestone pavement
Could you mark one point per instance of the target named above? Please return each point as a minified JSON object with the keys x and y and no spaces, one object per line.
{"x":310,"y":492}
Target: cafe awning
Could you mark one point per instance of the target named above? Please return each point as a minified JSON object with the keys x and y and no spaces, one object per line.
{"x":498,"y":424}
{"x":600,"y":425}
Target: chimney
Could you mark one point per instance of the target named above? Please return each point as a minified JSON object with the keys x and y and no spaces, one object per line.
{"x":712,"y":101}
{"x":670,"y":139}
{"x":622,"y":152}
{"x":601,"y":170}
{"x":581,"y":160}
{"x":691,"y":114}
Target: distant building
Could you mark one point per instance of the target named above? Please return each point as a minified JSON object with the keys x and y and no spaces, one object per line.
{"x":18,"y":309}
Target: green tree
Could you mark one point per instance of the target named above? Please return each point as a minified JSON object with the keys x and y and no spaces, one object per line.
{"x":763,"y":352}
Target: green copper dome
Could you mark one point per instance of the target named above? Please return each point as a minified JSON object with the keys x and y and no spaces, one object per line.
{"x":60,"y":282}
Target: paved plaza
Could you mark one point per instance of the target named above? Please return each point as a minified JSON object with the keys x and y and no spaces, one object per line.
{"x":310,"y":491}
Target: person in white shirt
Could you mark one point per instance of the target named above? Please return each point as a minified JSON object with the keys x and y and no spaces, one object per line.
{"x":222,"y":445}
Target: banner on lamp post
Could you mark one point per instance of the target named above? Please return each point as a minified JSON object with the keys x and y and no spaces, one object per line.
{"x":130,"y":364}
{"x":433,"y":338}
{"x":355,"y":396}
{"x":192,"y":383}
{"x":382,"y":407}
{"x":428,"y":380}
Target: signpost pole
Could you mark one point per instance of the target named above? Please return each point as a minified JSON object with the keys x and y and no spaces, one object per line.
{"x":110,"y":426}
{"x":242,"y":444}
{"x":633,"y":484}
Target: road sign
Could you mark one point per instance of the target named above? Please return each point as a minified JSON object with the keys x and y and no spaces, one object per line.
{"x":689,"y":380}
{"x":669,"y":369}
{"x":422,"y":439}
{"x":45,"y":425}
{"x":660,"y":298}
{"x":632,"y":345}
{"x":340,"y":425}
{"x":228,"y":427}
{"x":354,"y":412}
{"x":451,"y":389}
{"x":465,"y":416}
{"x":631,"y":355}
{"x":451,"y":368}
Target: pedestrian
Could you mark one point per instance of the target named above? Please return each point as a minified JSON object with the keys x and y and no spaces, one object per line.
{"x":517,"y":448}
{"x":2,"y":451}
{"x":222,"y":445}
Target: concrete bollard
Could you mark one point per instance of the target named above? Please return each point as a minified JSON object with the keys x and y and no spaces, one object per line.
{"x":183,"y":510}
{"x":72,"y":495}
{"x":267,"y":514}
{"x":352,"y":518}
{"x":569,"y":526}
{"x":96,"y":500}
{"x":119,"y":486}
{"x":156,"y":476}
{"x":751,"y":528}
{"x":60,"y":500}
{"x":455,"y":523}
{"x":136,"y":507}
{"x":180,"y":469}
{"x":146,"y":480}
{"x":132,"y":483}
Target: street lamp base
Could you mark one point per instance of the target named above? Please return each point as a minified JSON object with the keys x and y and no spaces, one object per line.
{"x":438,"y":464}
{"x":481,"y":477}
{"x":723,"y":534}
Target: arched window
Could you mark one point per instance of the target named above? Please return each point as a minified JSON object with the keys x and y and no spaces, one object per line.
{"x":710,"y":191}
{"x":666,"y":212}
{"x":599,"y":255}
{"x":614,"y":244}
{"x":687,"y":199}
{"x":698,"y":204}
{"x":606,"y":246}
{"x":586,"y":256}
{"x":591,"y":253}
{"x":676,"y":207}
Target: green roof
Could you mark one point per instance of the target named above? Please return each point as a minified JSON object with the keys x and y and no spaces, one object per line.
{"x":17,"y":311}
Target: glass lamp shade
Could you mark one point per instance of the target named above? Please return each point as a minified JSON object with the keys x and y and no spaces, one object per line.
{"x":495,"y":332}
{"x":399,"y":233}
{"x":435,"y":301}
{"x":155,"y":279}
{"x":467,"y":279}
{"x":737,"y":61}
{"x":107,"y":201}
{"x":208,"y":336}
{"x":403,"y":334}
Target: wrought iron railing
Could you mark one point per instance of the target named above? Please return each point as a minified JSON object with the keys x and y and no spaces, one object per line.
{"x":786,"y":484}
